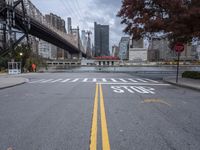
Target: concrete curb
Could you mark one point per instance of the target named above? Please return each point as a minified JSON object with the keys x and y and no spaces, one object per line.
{"x":9,"y":86}
{"x":181,"y":85}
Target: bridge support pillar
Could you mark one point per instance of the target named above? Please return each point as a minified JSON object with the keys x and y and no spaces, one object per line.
{"x":80,"y":56}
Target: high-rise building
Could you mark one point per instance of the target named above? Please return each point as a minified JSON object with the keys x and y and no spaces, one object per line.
{"x":101,"y":40}
{"x":123,"y":48}
{"x":84,"y":39}
{"x":69,"y":24}
{"x":115,"y":51}
{"x":58,"y":23}
{"x":44,"y":49}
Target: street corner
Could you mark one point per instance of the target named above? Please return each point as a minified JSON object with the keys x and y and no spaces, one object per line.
{"x":11,"y":81}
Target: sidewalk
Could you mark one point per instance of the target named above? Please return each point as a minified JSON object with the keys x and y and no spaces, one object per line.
{"x":7,"y":81}
{"x":184,"y":82}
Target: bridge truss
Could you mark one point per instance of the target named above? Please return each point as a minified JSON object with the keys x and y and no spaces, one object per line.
{"x":8,"y":26}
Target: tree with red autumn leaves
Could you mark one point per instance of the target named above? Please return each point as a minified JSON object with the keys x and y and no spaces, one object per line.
{"x":177,"y":20}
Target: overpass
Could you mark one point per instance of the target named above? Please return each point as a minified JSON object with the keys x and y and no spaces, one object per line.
{"x":25,"y":17}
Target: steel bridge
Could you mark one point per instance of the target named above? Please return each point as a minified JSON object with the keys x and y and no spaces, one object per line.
{"x":23,"y":16}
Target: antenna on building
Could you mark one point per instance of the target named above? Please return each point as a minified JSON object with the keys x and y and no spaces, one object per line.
{"x":88,"y":49}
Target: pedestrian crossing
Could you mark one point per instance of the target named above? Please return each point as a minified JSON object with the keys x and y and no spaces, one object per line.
{"x":93,"y":80}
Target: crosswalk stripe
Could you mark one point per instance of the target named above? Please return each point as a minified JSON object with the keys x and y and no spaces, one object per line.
{"x":37,"y":81}
{"x":123,"y":80}
{"x":85,"y":80}
{"x":104,"y":80}
{"x":151,"y":80}
{"x":75,"y":80}
{"x":113,"y":80}
{"x":56,"y":80}
{"x":141,"y":80}
{"x":65,"y":80}
{"x":94,"y":80}
{"x":45,"y":81}
{"x":132,"y":80}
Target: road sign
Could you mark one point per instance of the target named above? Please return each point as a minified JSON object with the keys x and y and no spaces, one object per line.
{"x":179,"y":47}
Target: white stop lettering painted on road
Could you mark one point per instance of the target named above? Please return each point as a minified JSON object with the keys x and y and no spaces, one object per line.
{"x":133,"y":89}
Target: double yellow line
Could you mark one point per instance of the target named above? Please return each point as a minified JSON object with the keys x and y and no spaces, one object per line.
{"x":104,"y":129}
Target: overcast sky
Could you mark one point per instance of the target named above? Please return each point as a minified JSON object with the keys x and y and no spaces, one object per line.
{"x":85,"y":12}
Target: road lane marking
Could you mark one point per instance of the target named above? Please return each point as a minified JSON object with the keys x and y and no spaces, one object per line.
{"x":56,"y":80}
{"x":65,"y":80}
{"x":93,"y":138}
{"x":85,"y":80}
{"x":122,"y":83}
{"x":104,"y":129}
{"x":113,"y":80}
{"x":37,"y":81}
{"x":141,"y":80}
{"x":132,"y":80}
{"x":123,"y":80}
{"x":47,"y":81}
{"x":75,"y":80}
{"x":133,"y":89}
{"x":94,"y":80}
{"x":104,"y":80}
{"x":151,"y":80}
{"x":156,"y":101}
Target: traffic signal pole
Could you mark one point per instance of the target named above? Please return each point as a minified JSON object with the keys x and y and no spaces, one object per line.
{"x":177,"y":73}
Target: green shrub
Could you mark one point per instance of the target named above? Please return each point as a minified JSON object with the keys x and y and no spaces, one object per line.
{"x":191,"y":74}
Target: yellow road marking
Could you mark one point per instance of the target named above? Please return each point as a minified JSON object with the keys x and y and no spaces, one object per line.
{"x":156,"y":101}
{"x":93,"y":138}
{"x":104,"y":129}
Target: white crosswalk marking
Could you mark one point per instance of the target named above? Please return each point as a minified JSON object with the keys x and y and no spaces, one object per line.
{"x":113,"y":80}
{"x":94,"y":80}
{"x":104,"y":80}
{"x":45,"y":81}
{"x":65,"y":80}
{"x":75,"y":80}
{"x":132,"y":80}
{"x":85,"y":80}
{"x":141,"y":80}
{"x":100,"y":80}
{"x":123,"y":80}
{"x":37,"y":81}
{"x":56,"y":80}
{"x":151,"y":80}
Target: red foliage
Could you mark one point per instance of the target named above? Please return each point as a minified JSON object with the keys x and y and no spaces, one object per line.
{"x":179,"y":19}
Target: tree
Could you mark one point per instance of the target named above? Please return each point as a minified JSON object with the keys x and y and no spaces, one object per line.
{"x":177,"y":20}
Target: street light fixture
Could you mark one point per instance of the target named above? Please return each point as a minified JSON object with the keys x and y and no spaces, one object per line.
{"x":21,"y":54}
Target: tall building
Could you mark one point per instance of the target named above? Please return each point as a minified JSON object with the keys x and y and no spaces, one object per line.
{"x":101,"y":40}
{"x":159,"y":50}
{"x":115,"y":51}
{"x":58,"y":23}
{"x":69,"y":25}
{"x":123,"y":48}
{"x":84,"y":39}
{"x":44,"y":49}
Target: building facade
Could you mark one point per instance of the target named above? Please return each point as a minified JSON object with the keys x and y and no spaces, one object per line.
{"x":101,"y":40}
{"x":138,"y":54}
{"x":58,"y":23}
{"x":115,"y":51}
{"x":69,"y":25}
{"x":123,"y":48}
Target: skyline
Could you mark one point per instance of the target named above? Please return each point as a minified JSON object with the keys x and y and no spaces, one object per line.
{"x":89,"y":11}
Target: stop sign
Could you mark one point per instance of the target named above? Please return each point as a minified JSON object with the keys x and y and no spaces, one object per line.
{"x":179,"y":47}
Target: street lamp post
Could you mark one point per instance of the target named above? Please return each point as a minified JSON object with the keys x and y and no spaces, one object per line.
{"x":21,"y":54}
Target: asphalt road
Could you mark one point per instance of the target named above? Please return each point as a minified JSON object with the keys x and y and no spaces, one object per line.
{"x":81,"y":111}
